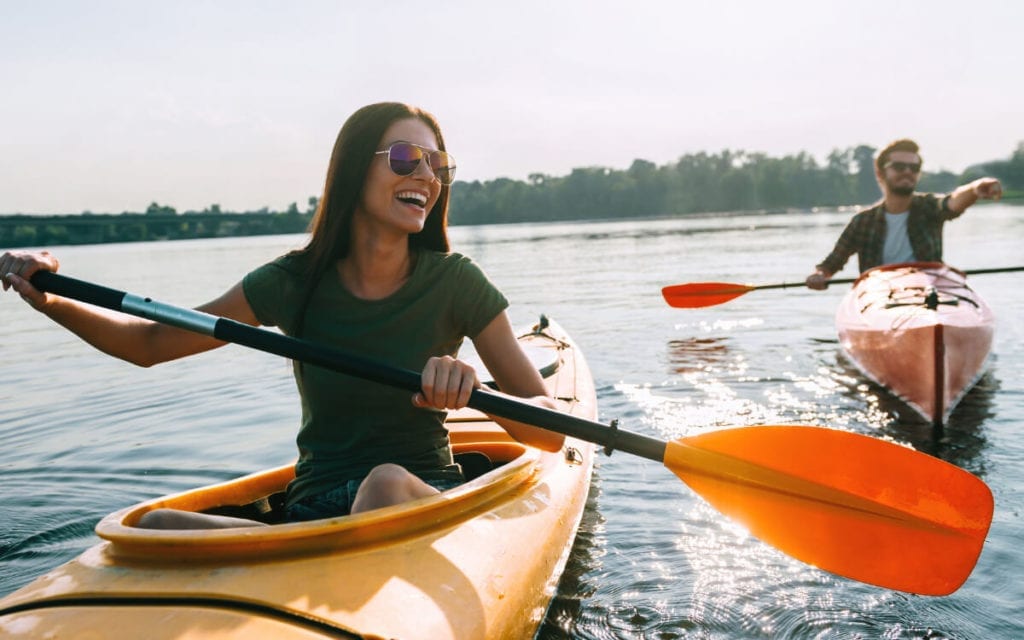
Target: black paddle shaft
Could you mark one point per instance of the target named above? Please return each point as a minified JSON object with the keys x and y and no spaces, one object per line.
{"x":968,"y":272}
{"x":328,"y":357}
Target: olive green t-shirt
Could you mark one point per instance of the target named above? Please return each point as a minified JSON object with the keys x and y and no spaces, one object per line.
{"x":350,"y":425}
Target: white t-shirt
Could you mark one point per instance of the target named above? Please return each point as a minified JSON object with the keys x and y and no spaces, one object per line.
{"x":897,"y":243}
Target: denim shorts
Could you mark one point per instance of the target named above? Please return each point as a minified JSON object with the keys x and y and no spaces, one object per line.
{"x":338,"y":501}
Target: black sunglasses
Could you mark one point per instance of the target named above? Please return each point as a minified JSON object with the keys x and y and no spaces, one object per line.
{"x":404,"y":158}
{"x":899,"y":167}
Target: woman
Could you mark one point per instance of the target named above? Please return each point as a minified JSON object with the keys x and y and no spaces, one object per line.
{"x":376,"y":278}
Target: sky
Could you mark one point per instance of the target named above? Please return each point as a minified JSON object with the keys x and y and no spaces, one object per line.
{"x":107,"y":106}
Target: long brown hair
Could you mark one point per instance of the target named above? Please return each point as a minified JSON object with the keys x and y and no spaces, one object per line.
{"x":331,"y":228}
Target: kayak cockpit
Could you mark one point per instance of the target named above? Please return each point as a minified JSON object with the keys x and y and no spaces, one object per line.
{"x":270,"y":509}
{"x":260,"y":495}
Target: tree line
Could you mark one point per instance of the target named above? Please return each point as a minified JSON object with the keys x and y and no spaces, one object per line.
{"x":728,"y":181}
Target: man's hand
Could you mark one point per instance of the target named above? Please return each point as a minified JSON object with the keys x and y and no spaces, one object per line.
{"x":988,"y":189}
{"x":818,"y":280}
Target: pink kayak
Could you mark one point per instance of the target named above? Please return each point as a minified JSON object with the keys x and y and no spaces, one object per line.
{"x":918,"y":330}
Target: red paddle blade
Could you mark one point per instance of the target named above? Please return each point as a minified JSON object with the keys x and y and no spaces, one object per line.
{"x":850,"y":504}
{"x":702,"y":294}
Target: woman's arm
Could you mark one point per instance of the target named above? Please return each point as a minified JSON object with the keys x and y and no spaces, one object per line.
{"x":447,"y":383}
{"x":517,"y":376}
{"x":132,"y":339}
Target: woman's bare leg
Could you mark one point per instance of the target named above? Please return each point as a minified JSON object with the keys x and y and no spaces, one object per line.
{"x":178,"y":519}
{"x":389,"y":484}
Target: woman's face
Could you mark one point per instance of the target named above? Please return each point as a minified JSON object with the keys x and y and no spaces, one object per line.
{"x":394,"y":203}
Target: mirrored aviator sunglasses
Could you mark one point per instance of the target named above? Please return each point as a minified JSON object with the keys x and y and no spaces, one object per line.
{"x":405,"y":157}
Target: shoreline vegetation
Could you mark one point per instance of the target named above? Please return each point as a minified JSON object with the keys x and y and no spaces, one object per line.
{"x":701,"y":183}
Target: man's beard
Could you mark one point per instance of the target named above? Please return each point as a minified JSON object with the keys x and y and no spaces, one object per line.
{"x":901,"y":189}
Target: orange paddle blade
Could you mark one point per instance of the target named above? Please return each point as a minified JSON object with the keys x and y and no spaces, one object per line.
{"x":853,"y":505}
{"x":702,"y":294}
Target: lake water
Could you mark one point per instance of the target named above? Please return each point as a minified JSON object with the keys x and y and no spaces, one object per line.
{"x":84,"y":435}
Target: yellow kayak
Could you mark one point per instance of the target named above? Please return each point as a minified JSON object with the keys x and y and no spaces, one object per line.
{"x":478,"y":561}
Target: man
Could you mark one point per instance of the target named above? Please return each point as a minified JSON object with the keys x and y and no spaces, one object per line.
{"x":905,"y":226}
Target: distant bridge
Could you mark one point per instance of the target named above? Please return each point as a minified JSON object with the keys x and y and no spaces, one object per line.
{"x":86,"y":228}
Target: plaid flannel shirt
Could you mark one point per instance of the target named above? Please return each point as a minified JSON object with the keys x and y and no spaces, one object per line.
{"x":865,"y":234}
